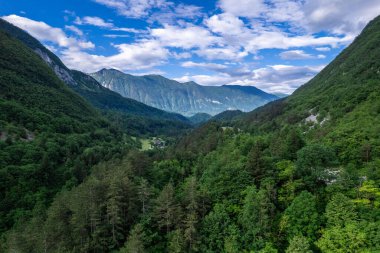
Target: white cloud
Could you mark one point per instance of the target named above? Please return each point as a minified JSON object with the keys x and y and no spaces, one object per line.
{"x":46,"y":33}
{"x":175,"y":14}
{"x":280,"y":40}
{"x":275,"y":78}
{"x":339,"y":16}
{"x":74,"y":29}
{"x":299,"y":55}
{"x":161,"y":11}
{"x":113,"y":36}
{"x":236,"y":71}
{"x":323,"y":49}
{"x":240,"y":38}
{"x":221,"y":53}
{"x":133,"y":8}
{"x":225,"y":23}
{"x":336,"y":16}
{"x":186,"y":38}
{"x":128,"y":30}
{"x":181,"y":55}
{"x":243,"y":8}
{"x":95,"y":21}
{"x":137,"y":56}
{"x":213,"y":66}
{"x":209,"y":80}
{"x":99,"y":22}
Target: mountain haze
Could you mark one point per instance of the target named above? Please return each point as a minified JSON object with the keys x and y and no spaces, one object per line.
{"x":184,"y":98}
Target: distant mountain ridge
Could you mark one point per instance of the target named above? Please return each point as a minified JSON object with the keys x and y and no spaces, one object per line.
{"x":134,"y":113}
{"x":185,"y":98}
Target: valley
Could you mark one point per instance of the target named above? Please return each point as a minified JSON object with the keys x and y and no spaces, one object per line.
{"x":113,"y":162}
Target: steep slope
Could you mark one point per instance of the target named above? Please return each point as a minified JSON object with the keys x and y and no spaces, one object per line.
{"x":138,"y":114}
{"x":50,"y":136}
{"x":185,"y":98}
{"x":340,"y":105}
{"x":104,"y":98}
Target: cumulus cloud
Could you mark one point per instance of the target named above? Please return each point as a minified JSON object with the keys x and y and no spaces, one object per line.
{"x":273,"y":78}
{"x":243,"y":8}
{"x":46,"y":33}
{"x":136,"y":56}
{"x":339,"y":16}
{"x":186,"y":38}
{"x":336,"y":16}
{"x":143,"y":54}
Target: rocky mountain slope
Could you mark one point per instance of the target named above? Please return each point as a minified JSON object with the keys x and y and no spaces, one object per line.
{"x":143,"y":118}
{"x":184,"y":98}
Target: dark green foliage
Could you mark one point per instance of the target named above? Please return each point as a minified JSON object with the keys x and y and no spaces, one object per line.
{"x":301,"y":217}
{"x":200,"y":118}
{"x":134,"y":117}
{"x":228,"y":116}
{"x":270,"y":183}
{"x":53,"y":136}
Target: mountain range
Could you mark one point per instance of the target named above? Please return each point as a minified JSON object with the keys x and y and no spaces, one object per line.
{"x":137,"y":117}
{"x":184,"y":98}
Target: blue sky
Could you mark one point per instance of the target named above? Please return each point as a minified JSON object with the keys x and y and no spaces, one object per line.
{"x":275,"y":45}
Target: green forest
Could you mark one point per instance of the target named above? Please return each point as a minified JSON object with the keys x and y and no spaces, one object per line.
{"x":73,"y":178}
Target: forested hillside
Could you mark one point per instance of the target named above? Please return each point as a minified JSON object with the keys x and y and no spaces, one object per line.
{"x":50,"y":137}
{"x":301,"y":174}
{"x":134,"y":117}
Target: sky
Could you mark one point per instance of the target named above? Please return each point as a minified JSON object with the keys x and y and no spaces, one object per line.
{"x":275,"y":45}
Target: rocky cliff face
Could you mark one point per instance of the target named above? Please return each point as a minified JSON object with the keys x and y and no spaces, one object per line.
{"x":185,"y":98}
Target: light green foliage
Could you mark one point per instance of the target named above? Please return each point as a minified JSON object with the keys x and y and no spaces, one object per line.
{"x":340,"y":210}
{"x":347,"y":239}
{"x":268,"y":249}
{"x":369,"y":193}
{"x":256,"y":217}
{"x":135,"y":241}
{"x":215,"y":229}
{"x":298,"y":244}
{"x":176,"y":242}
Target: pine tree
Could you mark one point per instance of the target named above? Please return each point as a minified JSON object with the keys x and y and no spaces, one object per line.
{"x":167,"y":210}
{"x":144,"y":193}
{"x":176,"y":243}
{"x":135,"y":241}
{"x":190,"y":225}
{"x":115,"y":211}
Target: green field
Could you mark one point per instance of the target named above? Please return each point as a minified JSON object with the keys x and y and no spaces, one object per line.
{"x":145,"y":144}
